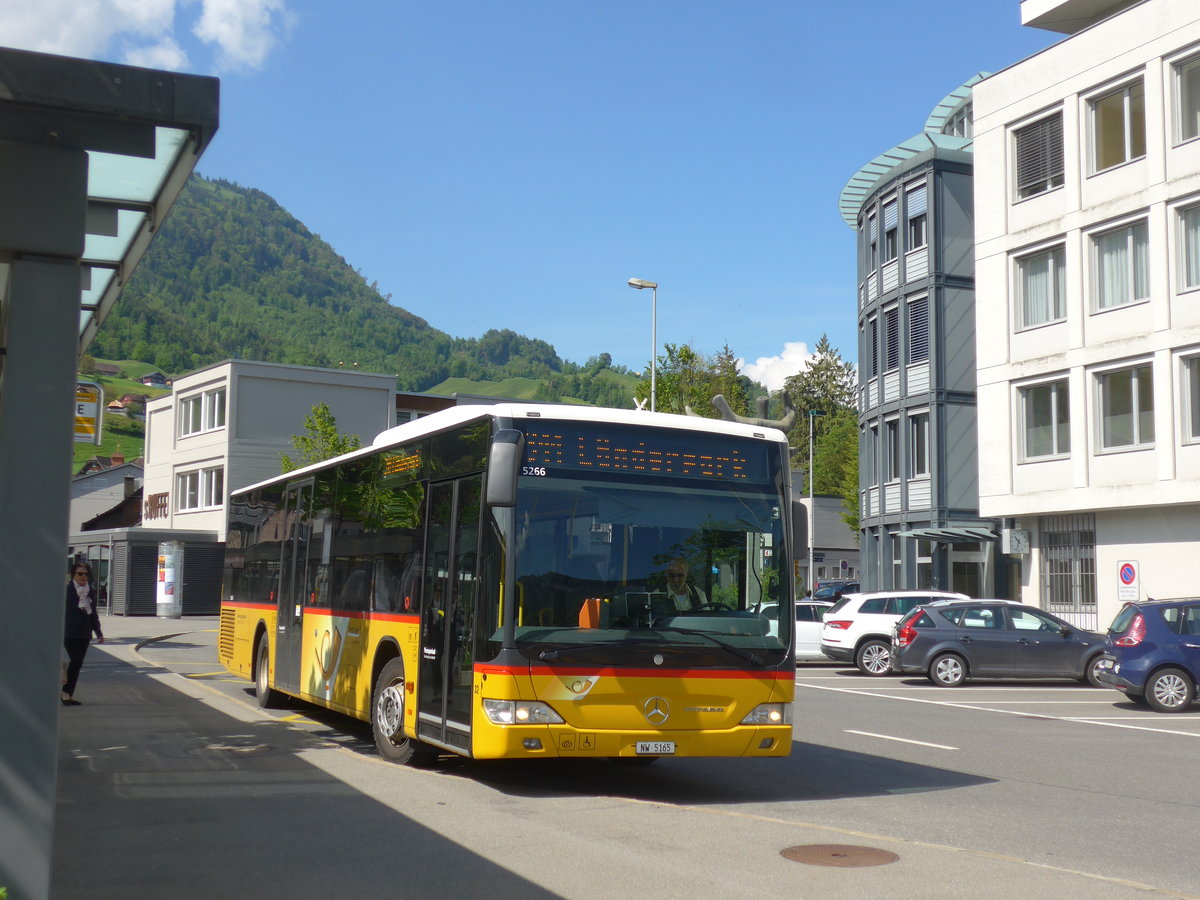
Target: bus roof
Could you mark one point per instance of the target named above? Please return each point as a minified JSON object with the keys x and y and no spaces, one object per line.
{"x":460,"y":415}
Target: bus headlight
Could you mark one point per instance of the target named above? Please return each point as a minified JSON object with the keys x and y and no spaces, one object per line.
{"x":770,"y":714}
{"x":520,"y":712}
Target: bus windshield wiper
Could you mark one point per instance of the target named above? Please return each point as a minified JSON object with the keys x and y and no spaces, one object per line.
{"x":736,"y":651}
{"x":555,"y":652}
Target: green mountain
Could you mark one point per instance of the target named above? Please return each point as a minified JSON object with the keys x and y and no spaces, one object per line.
{"x":233,"y":275}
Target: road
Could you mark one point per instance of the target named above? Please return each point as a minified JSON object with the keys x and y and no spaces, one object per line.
{"x":991,"y":790}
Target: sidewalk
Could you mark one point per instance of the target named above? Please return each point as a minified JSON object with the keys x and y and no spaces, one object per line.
{"x":167,"y":789}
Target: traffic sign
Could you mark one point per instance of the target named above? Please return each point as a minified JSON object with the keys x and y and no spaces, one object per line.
{"x":1128,"y":587}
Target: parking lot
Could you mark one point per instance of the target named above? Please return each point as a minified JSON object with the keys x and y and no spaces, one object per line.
{"x":1043,"y":699}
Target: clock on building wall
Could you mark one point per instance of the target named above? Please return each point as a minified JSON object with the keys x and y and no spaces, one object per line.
{"x":1016,"y":541}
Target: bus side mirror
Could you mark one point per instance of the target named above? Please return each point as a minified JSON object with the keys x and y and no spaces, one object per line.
{"x":504,"y":464}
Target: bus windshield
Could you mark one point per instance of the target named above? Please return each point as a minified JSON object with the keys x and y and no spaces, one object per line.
{"x":639,"y":571}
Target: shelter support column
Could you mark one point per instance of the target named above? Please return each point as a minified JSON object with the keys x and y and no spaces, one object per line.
{"x":43,"y":200}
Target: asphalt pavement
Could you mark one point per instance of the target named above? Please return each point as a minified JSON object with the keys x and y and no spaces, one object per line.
{"x":174,"y":785}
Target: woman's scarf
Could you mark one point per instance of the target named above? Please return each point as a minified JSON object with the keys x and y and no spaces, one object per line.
{"x":85,"y":597}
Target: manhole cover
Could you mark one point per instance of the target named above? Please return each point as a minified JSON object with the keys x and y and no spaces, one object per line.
{"x":844,"y":855}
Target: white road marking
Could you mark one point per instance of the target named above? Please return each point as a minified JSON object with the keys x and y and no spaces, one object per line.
{"x":888,"y":737}
{"x":1087,"y":720}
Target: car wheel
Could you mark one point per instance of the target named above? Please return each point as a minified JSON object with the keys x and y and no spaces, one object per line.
{"x":266,"y":696}
{"x":1091,"y":671}
{"x":387,"y":719}
{"x":874,"y":658}
{"x":947,"y":670}
{"x":1170,"y":690}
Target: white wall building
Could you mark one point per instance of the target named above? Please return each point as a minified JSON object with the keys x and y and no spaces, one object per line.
{"x":1087,"y":218}
{"x":226,"y":426}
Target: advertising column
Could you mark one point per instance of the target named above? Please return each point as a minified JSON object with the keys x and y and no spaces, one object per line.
{"x":170,"y":579}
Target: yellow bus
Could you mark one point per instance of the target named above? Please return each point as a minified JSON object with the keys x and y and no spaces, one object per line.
{"x":492,"y":581}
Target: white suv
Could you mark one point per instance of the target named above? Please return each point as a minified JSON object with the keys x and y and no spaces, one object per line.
{"x":858,"y":628}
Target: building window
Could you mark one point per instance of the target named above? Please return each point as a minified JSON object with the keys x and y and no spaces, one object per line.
{"x":918,"y":445}
{"x":202,"y":412}
{"x":918,"y":329}
{"x":1189,"y":247}
{"x":916,"y":208}
{"x":1126,"y":408}
{"x":874,"y":347}
{"x":960,"y":123}
{"x":873,"y":243}
{"x":1046,"y":410}
{"x":1191,"y":398}
{"x":1068,"y":555}
{"x":871,"y":349}
{"x":1039,"y":154}
{"x":872,"y":454}
{"x":1119,"y":127}
{"x":891,"y":338}
{"x":891,"y":449}
{"x":200,"y":489}
{"x":1041,"y":288}
{"x":1188,"y":91}
{"x":890,"y":224}
{"x":1121,"y":266}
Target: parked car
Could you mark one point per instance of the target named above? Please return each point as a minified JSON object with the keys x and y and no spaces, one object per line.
{"x":859,"y":627}
{"x":1152,"y":653}
{"x":951,"y":641}
{"x":835,"y":590}
{"x":808,"y":627}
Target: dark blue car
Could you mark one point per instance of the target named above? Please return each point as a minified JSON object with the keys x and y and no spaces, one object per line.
{"x":1152,"y":653}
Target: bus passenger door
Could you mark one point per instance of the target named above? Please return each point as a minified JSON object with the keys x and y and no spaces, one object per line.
{"x":447,"y":667}
{"x":293,"y":564}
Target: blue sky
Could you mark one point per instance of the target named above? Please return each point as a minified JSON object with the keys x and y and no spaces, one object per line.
{"x":512,"y":165}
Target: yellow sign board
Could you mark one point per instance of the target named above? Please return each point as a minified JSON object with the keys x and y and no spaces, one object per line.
{"x":89,"y":412}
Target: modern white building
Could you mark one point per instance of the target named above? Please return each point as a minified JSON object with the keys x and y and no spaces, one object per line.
{"x":228,"y":425}
{"x":1087,"y":220}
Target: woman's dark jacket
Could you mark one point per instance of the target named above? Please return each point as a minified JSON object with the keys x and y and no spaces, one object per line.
{"x":78,"y":624}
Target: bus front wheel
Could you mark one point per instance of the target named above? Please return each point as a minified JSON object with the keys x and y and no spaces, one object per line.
{"x":387,"y":719}
{"x":266,"y":696}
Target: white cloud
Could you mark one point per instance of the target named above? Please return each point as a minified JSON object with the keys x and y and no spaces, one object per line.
{"x":244,"y":31}
{"x":166,"y":54}
{"x":145,"y":32}
{"x":770,"y":371}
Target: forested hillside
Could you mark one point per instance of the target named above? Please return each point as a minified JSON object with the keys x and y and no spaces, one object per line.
{"x":234,"y":275}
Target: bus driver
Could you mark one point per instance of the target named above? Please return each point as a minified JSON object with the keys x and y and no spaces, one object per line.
{"x":680,"y":589}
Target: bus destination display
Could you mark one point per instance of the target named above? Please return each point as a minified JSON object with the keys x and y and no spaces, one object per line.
{"x":677,"y":455}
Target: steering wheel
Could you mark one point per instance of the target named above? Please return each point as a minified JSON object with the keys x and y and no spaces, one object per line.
{"x":712,"y":605}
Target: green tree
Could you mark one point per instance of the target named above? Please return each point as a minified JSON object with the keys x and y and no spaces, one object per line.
{"x":837,"y":463}
{"x":827,"y":387}
{"x":320,"y":441}
{"x":87,"y":364}
{"x":687,"y":380}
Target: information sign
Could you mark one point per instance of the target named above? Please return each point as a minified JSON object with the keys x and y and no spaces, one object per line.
{"x":89,"y":412}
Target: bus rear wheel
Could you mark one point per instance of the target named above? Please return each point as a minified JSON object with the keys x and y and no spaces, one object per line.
{"x":387,"y":719}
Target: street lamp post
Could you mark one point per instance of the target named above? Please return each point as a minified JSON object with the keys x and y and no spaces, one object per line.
{"x":641,"y":284}
{"x":812,"y":499}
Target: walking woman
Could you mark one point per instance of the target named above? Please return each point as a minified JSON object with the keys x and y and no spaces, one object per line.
{"x":81,"y":621}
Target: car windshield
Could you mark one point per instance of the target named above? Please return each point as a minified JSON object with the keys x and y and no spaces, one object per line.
{"x":614,"y":572}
